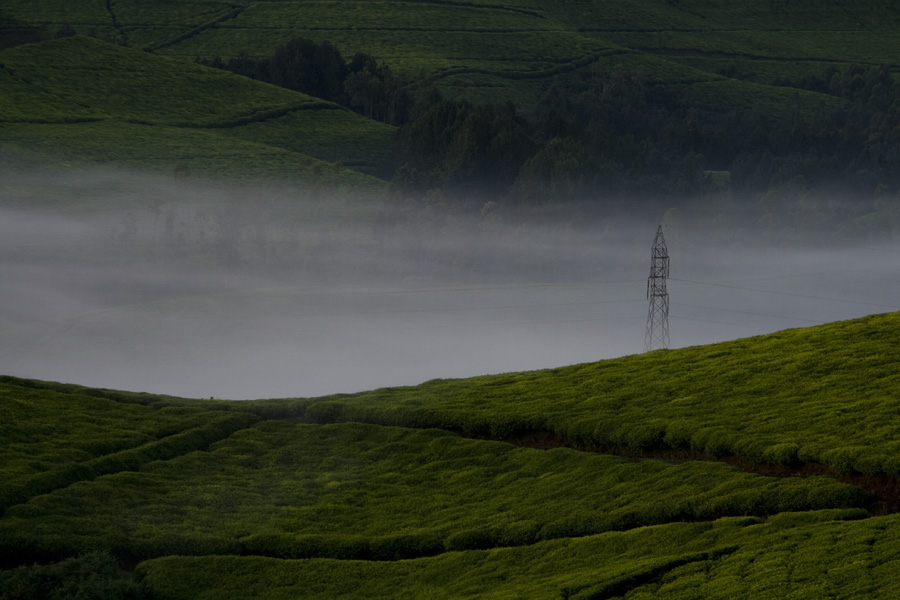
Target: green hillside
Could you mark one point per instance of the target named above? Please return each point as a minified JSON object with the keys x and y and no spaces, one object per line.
{"x":512,"y":49}
{"x":822,"y":395}
{"x":83,"y":98}
{"x":319,"y":498}
{"x":765,"y":467}
{"x":797,"y":556}
{"x":673,"y":99}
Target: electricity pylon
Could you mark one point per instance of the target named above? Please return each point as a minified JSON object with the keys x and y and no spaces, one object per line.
{"x":657,"y":335}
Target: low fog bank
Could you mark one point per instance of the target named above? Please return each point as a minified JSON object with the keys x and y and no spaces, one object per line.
{"x":148,"y":284}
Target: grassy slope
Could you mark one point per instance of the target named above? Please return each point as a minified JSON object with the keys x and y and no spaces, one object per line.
{"x":369,"y":491}
{"x":53,"y":439}
{"x":363,"y":491}
{"x":797,"y":556}
{"x":824,"y":394}
{"x":492,"y":51}
{"x":104,"y":103}
{"x":513,"y":49}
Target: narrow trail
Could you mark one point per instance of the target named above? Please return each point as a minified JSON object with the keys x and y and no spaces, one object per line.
{"x":112,"y":15}
{"x":227,"y":16}
{"x":885,"y":491}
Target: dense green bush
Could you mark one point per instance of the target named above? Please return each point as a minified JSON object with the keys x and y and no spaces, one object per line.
{"x":802,"y":555}
{"x":373,"y":492}
{"x":773,"y":410}
{"x":218,"y":425}
{"x":90,"y":576}
{"x":784,"y":455}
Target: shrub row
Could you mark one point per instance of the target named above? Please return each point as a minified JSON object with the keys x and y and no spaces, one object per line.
{"x":219,"y":426}
{"x":820,"y":395}
{"x":346,"y":547}
{"x":91,"y":575}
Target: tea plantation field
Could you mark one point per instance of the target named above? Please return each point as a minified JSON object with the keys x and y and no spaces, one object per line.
{"x":824,"y":395}
{"x":86,"y":100}
{"x":323,"y":497}
{"x":712,"y":56}
{"x":511,"y":49}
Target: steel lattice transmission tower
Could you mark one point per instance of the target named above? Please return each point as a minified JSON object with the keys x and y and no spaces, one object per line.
{"x":657,"y":335}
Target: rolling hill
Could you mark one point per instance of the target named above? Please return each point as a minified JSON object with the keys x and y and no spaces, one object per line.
{"x":320,"y":497}
{"x":712,"y":57}
{"x":100,"y":103}
{"x":761,"y":467}
{"x":500,"y":50}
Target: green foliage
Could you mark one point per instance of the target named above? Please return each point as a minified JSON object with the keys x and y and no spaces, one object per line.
{"x":54,"y":437}
{"x":792,"y":558}
{"x":577,"y":568}
{"x":77,"y":71}
{"x":320,"y":70}
{"x":471,"y":149}
{"x":335,"y":136}
{"x":655,"y":94}
{"x":824,"y":394}
{"x":785,"y":455}
{"x":804,"y":556}
{"x":475,"y":518}
{"x":91,"y":576}
{"x":370,"y":492}
{"x":206,"y":153}
{"x":101,"y":103}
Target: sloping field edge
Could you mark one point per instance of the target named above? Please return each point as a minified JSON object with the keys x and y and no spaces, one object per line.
{"x":167,"y":448}
{"x":199,"y":29}
{"x":884,"y":491}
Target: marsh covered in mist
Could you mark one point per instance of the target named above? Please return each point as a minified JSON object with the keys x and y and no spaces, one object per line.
{"x":115,"y":280}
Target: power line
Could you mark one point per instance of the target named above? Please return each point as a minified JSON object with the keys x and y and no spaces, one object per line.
{"x":755,"y":314}
{"x":720,"y":323}
{"x":794,"y":294}
{"x":657,"y":334}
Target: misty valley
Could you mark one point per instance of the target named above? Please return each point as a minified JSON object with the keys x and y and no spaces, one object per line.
{"x":195,"y":290}
{"x":444,"y":300}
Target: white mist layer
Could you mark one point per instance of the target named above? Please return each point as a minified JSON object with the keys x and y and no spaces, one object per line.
{"x":182,"y":290}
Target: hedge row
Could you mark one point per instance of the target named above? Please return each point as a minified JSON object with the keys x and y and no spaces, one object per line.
{"x":220,"y":426}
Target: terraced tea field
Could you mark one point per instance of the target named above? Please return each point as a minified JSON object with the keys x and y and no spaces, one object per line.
{"x":78,"y":98}
{"x":510,"y":50}
{"x":265,"y":498}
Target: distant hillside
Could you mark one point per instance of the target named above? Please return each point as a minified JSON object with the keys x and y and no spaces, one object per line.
{"x":512,"y":49}
{"x":83,"y":98}
{"x":675,"y":99}
{"x":260,"y":498}
{"x":823,"y":394}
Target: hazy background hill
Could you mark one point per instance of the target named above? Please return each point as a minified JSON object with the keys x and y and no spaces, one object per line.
{"x":85,"y":98}
{"x":753,"y":97}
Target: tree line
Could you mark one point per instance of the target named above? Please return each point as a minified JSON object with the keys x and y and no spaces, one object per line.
{"x":607,"y":135}
{"x":319,"y":69}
